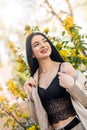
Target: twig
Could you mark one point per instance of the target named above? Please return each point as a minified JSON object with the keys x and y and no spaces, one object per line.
{"x":70,"y":8}
{"x":11,"y":115}
{"x":53,"y":12}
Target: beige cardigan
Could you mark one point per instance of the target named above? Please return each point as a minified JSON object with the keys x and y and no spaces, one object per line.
{"x":78,"y":97}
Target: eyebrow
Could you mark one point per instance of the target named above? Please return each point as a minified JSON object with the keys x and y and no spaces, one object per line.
{"x":37,"y":41}
{"x":43,"y":38}
{"x":34,"y":42}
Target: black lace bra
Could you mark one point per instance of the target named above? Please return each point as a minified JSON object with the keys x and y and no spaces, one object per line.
{"x":56,"y":101}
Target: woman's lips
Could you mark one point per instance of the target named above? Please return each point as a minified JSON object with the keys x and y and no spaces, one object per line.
{"x":44,"y":51}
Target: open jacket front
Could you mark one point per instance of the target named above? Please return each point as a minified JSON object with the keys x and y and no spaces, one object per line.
{"x":78,"y":97}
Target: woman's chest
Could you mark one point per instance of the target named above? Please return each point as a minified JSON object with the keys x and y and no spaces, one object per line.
{"x":53,"y":91}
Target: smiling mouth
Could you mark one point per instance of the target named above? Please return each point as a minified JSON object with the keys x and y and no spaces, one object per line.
{"x":44,"y":51}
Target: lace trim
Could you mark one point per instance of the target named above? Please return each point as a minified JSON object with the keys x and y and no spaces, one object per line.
{"x":59,"y":109}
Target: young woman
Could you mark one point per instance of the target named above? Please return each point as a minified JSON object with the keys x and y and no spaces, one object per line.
{"x":56,"y":91}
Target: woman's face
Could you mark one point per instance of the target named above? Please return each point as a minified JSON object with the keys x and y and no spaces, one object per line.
{"x":40,"y":47}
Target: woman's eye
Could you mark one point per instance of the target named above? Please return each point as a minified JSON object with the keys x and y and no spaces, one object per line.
{"x":36,"y":44}
{"x":45,"y":41}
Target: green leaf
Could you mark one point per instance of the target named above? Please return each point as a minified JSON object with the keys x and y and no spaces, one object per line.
{"x":78,"y":27}
{"x":27,"y":28}
{"x":6,"y":125}
{"x":86,"y":36}
{"x":2,"y":115}
{"x":72,"y":39}
{"x":63,"y":33}
{"x":85,"y":48}
{"x":83,"y":36}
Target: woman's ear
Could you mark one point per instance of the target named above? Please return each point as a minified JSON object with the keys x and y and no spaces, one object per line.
{"x":33,"y":56}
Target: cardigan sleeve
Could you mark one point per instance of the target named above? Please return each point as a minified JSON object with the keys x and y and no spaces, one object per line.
{"x":31,"y":107}
{"x":79,"y":90}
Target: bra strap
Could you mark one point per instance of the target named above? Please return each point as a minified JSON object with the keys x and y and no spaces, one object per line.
{"x":59,"y":67}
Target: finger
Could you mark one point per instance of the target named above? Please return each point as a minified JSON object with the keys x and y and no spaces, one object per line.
{"x":60,"y":73}
{"x":31,"y":82}
{"x":63,"y":72}
{"x":34,"y":83}
{"x":60,"y":83}
{"x":29,"y":89}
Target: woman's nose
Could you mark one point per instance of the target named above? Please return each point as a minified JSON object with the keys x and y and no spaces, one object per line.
{"x":42,"y":44}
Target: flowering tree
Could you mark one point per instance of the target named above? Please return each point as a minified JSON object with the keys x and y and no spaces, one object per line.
{"x":77,"y":50}
{"x":72,"y":47}
{"x":16,"y":118}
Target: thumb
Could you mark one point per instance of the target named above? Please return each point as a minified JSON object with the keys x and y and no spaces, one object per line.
{"x":61,"y":73}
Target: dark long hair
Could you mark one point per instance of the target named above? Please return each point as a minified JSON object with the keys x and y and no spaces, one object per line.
{"x":33,"y":63}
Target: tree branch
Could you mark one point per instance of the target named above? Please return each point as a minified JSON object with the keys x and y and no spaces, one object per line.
{"x":11,"y":115}
{"x":70,"y":8}
{"x":64,"y":12}
{"x":53,"y":12}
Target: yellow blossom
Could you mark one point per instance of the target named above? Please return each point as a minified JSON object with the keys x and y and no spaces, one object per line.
{"x":68,"y":23}
{"x":24,"y":115}
{"x":1,"y":88}
{"x":72,"y":34}
{"x":51,"y":38}
{"x":59,"y":45}
{"x":11,"y":44}
{"x":12,"y":123}
{"x":46,"y":30}
{"x":12,"y":87}
{"x":82,"y":57}
{"x":21,"y":67}
{"x":73,"y":52}
{"x":32,"y":128}
{"x":19,"y":59}
{"x":38,"y":127}
{"x":28,"y":33}
{"x":22,"y":93}
{"x":2,"y":99}
{"x":64,"y":53}
{"x":19,"y":113}
{"x":77,"y":41}
{"x":17,"y":91}
{"x":7,"y":108}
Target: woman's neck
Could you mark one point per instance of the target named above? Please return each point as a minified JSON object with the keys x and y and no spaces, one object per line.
{"x":45,"y":65}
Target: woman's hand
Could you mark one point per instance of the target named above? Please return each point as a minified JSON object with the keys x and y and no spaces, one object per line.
{"x":67,"y":68}
{"x":29,"y":84}
{"x":65,"y":80}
